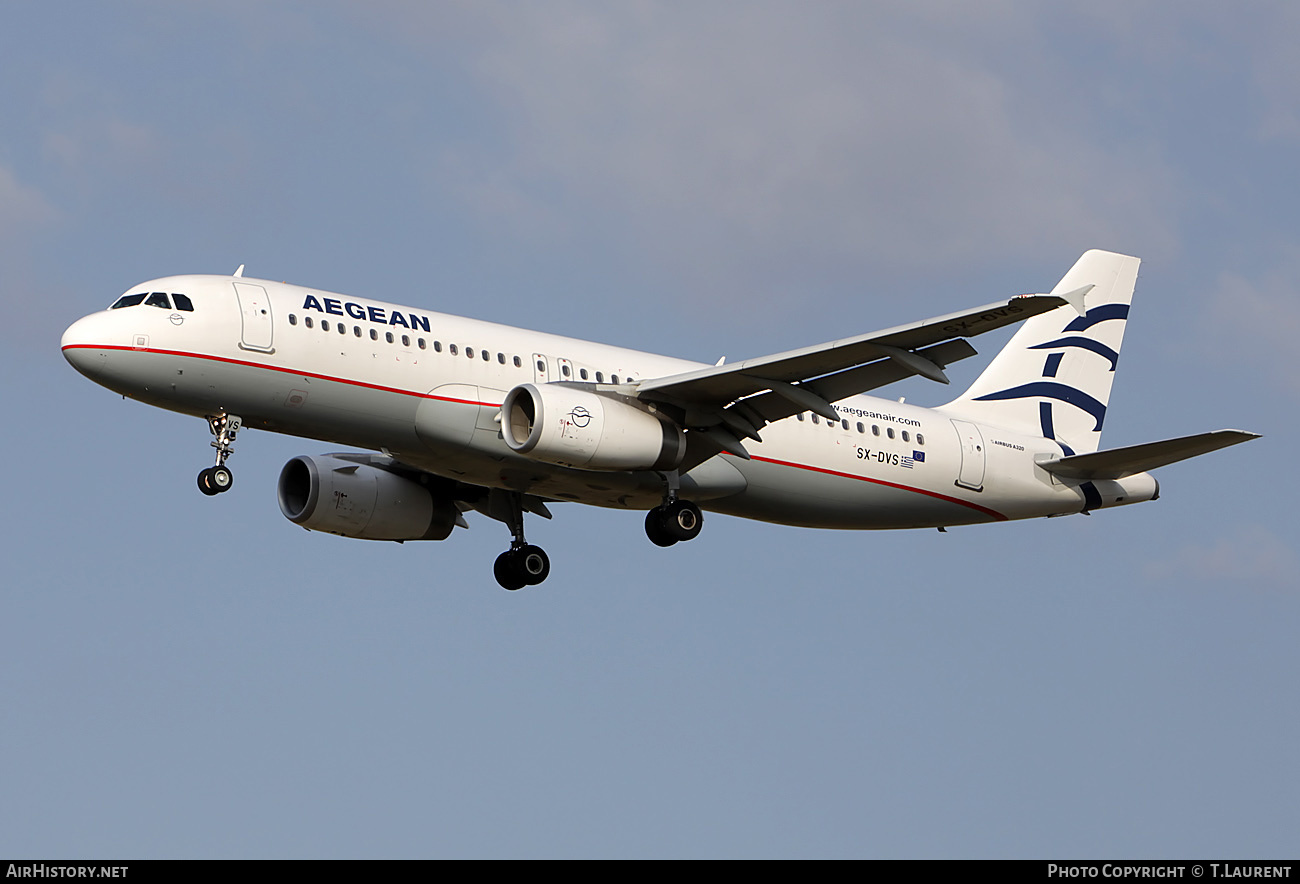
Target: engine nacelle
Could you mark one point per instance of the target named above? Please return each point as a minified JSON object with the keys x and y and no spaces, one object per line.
{"x":1121,"y":492}
{"x":560,"y":424}
{"x":331,"y":494}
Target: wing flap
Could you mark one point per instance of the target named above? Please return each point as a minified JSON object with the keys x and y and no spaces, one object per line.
{"x":721,"y":384}
{"x":1117,"y":463}
{"x":859,"y":379}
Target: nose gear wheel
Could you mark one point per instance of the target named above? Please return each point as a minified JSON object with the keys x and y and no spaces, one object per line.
{"x":219,"y":478}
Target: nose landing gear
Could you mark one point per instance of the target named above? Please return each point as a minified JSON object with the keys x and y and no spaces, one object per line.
{"x":218,"y":478}
{"x":215,"y":480}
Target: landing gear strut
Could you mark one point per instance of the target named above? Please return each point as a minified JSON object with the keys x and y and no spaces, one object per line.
{"x":218,"y":478}
{"x":523,"y":564}
{"x":674,"y":520}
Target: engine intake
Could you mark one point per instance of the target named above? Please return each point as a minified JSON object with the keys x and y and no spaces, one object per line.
{"x":331,"y":494}
{"x":571,"y":427}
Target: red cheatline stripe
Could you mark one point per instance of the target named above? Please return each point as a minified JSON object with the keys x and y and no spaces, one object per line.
{"x":324,"y":377}
{"x":292,"y":371}
{"x":966,"y":503}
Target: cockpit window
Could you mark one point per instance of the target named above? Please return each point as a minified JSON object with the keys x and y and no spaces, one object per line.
{"x":159,"y":299}
{"x":129,"y":301}
{"x":183,"y":302}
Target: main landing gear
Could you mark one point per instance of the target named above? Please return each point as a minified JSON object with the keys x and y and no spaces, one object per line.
{"x":218,"y":478}
{"x":523,"y":564}
{"x":674,"y":520}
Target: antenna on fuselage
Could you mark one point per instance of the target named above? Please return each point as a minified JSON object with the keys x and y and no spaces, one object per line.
{"x":240,"y":271}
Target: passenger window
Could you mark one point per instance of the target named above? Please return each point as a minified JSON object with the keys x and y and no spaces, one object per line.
{"x":600,"y":378}
{"x":159,"y":299}
{"x":799,"y":415}
{"x":406,"y":340}
{"x":129,"y":301}
{"x":469,"y":352}
{"x":582,"y":373}
{"x":861,"y":429}
{"x":388,"y":336}
{"x":613,"y":379}
{"x":564,"y":370}
{"x":437,"y":346}
{"x":324,"y":325}
{"x":343,"y":329}
{"x":519,"y":363}
{"x":293,"y":320}
{"x":501,"y":358}
{"x":920,"y":440}
{"x":183,"y":303}
{"x":423,"y":346}
{"x":875,"y":430}
{"x":541,"y":366}
{"x":307,"y":321}
{"x":846,"y":424}
{"x":374,"y":334}
{"x":889,"y":431}
{"x":451,"y":348}
{"x":487,"y":357}
{"x":356,"y":330}
{"x":816,"y":419}
{"x":906,"y":437}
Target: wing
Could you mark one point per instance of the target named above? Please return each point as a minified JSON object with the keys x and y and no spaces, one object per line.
{"x":726,"y":403}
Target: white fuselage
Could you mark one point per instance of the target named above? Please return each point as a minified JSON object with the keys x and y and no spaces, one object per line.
{"x":428,"y":387}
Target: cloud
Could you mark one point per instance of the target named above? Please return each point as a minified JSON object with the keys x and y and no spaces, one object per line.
{"x":22,"y":208}
{"x":1276,"y":72}
{"x":93,"y":144}
{"x":25,"y":215}
{"x":778,"y":136}
{"x":1253,"y":555}
{"x":1257,"y":320}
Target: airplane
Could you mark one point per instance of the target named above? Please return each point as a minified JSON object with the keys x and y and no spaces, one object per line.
{"x":454,"y":414}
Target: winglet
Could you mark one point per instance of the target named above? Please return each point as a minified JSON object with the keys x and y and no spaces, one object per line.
{"x":1075,"y":298}
{"x":240,"y":271}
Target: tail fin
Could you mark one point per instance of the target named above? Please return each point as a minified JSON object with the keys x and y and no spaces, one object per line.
{"x":1053,"y":377}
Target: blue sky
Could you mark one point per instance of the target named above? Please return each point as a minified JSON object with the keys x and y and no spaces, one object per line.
{"x":197,"y":677}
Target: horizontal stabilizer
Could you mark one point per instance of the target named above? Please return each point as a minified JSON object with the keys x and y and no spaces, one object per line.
{"x":1120,"y":462}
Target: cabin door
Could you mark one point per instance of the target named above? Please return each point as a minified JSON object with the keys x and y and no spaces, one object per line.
{"x":255,"y":311}
{"x":971,"y":474}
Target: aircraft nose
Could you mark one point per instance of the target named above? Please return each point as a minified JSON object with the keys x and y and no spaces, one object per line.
{"x":83,"y":343}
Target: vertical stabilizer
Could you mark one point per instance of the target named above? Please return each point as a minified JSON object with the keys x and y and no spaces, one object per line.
{"x":1053,"y":377}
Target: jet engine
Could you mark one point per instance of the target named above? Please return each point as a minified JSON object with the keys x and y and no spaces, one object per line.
{"x":572,"y":427}
{"x":1120,"y":492}
{"x":338,"y":496}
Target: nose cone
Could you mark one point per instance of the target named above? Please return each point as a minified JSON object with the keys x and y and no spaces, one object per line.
{"x":83,"y":344}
